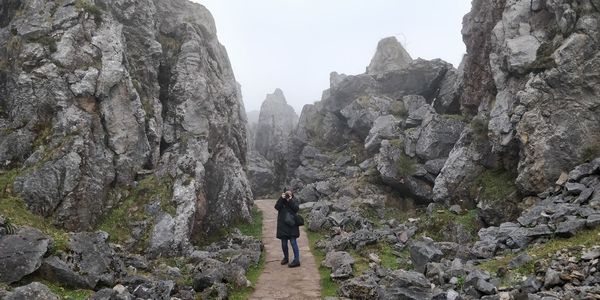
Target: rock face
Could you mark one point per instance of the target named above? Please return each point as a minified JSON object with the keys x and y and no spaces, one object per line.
{"x":97,"y":92}
{"x":390,"y":56}
{"x":277,"y":120}
{"x":528,"y":60}
{"x":267,"y":166}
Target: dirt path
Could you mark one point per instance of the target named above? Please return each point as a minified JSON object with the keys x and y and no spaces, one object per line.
{"x":281,"y":282}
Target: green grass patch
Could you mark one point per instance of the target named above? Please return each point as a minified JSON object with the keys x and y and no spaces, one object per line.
{"x":383,"y":250}
{"x":480,"y":129}
{"x":132,"y":209}
{"x":329,"y":287}
{"x":68,"y":294}
{"x":405,"y":165}
{"x":438,"y":222}
{"x":169,"y":44}
{"x":254,"y":228}
{"x":496,"y":184}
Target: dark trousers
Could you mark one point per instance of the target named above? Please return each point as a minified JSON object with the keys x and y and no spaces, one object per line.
{"x":284,"y":247}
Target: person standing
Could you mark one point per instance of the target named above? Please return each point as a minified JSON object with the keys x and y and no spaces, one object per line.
{"x":286,"y":206}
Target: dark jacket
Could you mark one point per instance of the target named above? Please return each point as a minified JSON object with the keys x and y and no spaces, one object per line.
{"x":285,"y":231}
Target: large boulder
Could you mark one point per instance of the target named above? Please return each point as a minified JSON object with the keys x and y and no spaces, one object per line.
{"x":340,"y":263}
{"x":22,"y":253}
{"x":401,"y":284}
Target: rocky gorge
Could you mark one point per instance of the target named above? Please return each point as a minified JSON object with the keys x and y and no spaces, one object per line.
{"x":127,"y":160}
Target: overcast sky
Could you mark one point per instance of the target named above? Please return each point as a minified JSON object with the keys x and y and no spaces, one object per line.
{"x":295,"y":44}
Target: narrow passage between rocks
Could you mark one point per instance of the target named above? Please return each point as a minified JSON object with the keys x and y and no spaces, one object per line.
{"x":278,"y":281}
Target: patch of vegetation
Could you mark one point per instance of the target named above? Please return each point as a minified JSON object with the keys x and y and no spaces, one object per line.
{"x":405,"y":165}
{"x":480,"y":129}
{"x":15,"y":209}
{"x":436,"y":224}
{"x":43,"y":131}
{"x":398,"y":109}
{"x":329,"y":287}
{"x":132,"y":209}
{"x":49,"y":42}
{"x":496,"y":184}
{"x":541,"y":252}
{"x":254,"y":228}
{"x":591,"y":152}
{"x":68,"y":294}
{"x":4,"y":65}
{"x":169,"y":44}
{"x":91,"y":9}
{"x":461,"y":118}
{"x":14,"y":45}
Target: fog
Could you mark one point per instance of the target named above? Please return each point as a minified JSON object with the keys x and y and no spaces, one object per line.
{"x":295,"y":44}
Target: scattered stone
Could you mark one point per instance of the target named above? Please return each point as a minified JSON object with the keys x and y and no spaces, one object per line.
{"x":552,"y":278}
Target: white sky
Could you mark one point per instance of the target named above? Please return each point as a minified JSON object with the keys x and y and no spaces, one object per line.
{"x":295,"y":44}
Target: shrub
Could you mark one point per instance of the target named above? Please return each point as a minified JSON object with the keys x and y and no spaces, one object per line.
{"x":496,"y":184}
{"x":405,"y":165}
{"x":91,"y":9}
{"x":398,"y":109}
{"x":591,"y":152}
{"x":480,"y":129}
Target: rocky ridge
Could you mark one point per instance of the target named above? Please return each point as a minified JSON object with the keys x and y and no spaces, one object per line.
{"x":122,"y":149}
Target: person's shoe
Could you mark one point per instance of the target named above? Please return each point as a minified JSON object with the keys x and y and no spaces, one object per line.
{"x":294,"y":264}
{"x":284,"y":261}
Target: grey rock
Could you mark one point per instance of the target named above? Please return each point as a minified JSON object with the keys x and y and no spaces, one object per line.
{"x":575,"y":188}
{"x":32,"y":291}
{"x":591,"y":254}
{"x":390,"y":55}
{"x":593,"y":221}
{"x":520,"y":260}
{"x":585,"y":170}
{"x":260,"y":175}
{"x":438,"y":136}
{"x":423,"y":252}
{"x":401,"y":284}
{"x":362,"y":287}
{"x":276,"y":121}
{"x":552,"y":278}
{"x":570,"y":227}
{"x":56,"y":270}
{"x":531,"y":285}
{"x":435,"y":166}
{"x":340,"y":263}
{"x":22,"y":253}
{"x":384,"y":128}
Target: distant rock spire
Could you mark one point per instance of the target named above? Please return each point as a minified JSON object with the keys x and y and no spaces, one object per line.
{"x":390,"y":56}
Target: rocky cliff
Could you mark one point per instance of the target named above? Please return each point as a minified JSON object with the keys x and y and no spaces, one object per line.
{"x":99,"y":96}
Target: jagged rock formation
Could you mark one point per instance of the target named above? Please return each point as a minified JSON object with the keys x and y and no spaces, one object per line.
{"x":390,"y":56}
{"x":384,"y":123}
{"x":251,"y":128}
{"x":97,"y":93}
{"x":267,"y":166}
{"x":276,"y":121}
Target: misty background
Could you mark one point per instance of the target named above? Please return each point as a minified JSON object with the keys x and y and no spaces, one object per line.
{"x":295,"y":44}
